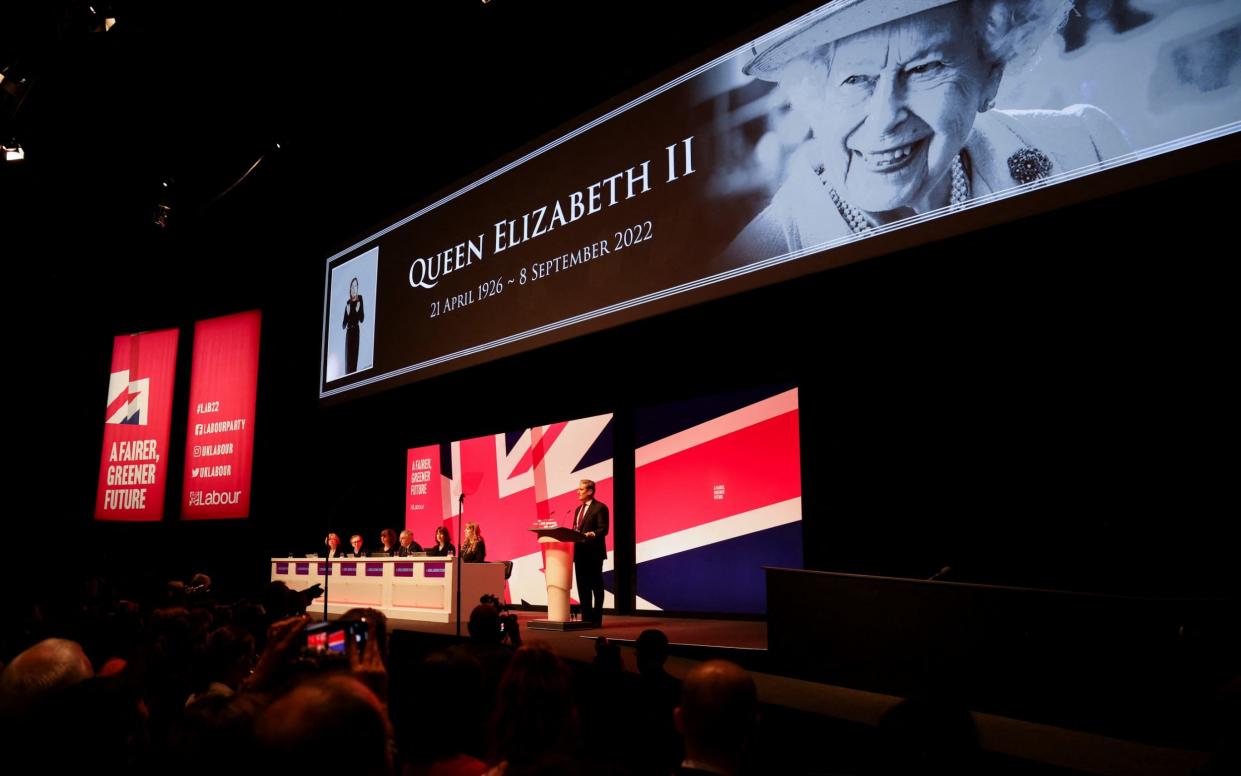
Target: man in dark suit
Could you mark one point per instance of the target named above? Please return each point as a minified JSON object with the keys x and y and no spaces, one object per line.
{"x":408,"y":545}
{"x":591,"y":519}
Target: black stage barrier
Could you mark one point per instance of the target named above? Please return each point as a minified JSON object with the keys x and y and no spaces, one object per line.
{"x":1140,"y":668}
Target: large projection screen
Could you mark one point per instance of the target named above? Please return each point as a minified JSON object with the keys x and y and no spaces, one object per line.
{"x":858,"y":128}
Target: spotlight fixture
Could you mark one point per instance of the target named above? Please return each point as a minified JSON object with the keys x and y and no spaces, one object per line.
{"x":102,"y":18}
{"x":13,"y":151}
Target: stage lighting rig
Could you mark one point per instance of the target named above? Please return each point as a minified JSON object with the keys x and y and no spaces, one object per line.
{"x":101,"y":18}
{"x":163,"y":209}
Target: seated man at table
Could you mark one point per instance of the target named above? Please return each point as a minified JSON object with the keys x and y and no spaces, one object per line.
{"x":355,"y":541}
{"x":408,"y":545}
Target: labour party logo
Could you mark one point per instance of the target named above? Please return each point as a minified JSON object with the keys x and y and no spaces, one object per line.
{"x":127,"y":400}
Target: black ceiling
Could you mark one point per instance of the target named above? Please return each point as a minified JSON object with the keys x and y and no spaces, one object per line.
{"x":374,"y":105}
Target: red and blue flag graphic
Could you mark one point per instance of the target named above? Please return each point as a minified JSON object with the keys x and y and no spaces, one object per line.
{"x":127,"y":400}
{"x":717,"y":497}
{"x":510,"y":480}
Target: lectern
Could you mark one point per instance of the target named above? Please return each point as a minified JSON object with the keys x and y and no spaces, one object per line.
{"x":557,"y":545}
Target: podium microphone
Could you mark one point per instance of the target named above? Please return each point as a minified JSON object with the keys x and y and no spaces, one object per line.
{"x":939,"y":574}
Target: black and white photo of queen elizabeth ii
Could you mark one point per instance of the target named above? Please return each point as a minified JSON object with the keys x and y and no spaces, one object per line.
{"x":900,"y":98}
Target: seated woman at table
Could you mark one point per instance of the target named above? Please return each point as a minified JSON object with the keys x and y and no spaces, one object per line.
{"x":334,"y":550}
{"x":473,"y":549}
{"x":442,"y":545}
{"x":387,"y":540}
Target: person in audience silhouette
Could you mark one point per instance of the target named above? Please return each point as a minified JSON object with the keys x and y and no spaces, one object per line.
{"x":535,"y":719}
{"x":717,"y":717}
{"x":47,"y":667}
{"x":302,"y":730}
{"x":658,"y":695}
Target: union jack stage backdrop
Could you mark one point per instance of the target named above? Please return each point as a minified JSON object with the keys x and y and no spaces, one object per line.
{"x":717,"y":497}
{"x":511,"y":479}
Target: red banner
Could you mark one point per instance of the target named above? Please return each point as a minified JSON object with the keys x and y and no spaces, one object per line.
{"x":424,"y":494}
{"x":219,"y":443}
{"x":132,"y":470}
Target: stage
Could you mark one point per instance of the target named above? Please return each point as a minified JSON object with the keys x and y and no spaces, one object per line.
{"x":745,"y":639}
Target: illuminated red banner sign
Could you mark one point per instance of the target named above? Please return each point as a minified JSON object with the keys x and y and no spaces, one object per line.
{"x":219,"y":441}
{"x":133,"y":467}
{"x":425,"y":498}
